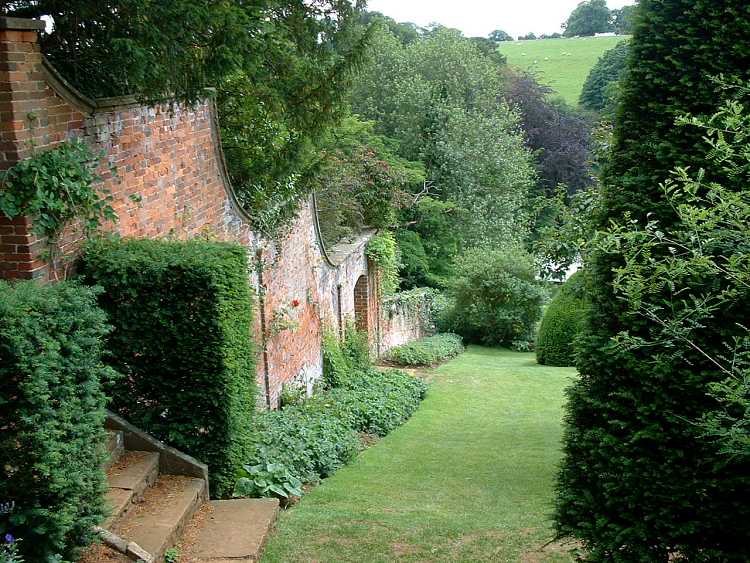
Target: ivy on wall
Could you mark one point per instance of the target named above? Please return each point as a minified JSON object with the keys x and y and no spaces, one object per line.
{"x":382,"y":250}
{"x":55,"y":187}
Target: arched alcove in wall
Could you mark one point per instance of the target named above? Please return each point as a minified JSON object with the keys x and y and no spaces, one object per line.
{"x":361,"y":303}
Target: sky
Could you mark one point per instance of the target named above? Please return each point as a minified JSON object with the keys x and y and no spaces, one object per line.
{"x":477,"y":18}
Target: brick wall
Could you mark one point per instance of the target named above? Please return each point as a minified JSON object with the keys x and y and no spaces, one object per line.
{"x":170,"y":180}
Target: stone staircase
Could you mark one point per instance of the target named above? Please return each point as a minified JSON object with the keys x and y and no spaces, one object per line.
{"x":159,"y":502}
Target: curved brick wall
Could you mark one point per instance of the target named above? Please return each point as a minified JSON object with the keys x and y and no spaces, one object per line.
{"x":170,"y":181}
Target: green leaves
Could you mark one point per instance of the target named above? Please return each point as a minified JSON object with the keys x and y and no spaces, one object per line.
{"x":312,"y":439}
{"x":428,"y":351}
{"x":496,"y":298}
{"x":267,"y":480}
{"x":562,"y":323}
{"x":182,"y":317}
{"x":54,"y":187}
{"x":383,"y":251}
{"x":52,"y":416}
{"x":640,"y":479}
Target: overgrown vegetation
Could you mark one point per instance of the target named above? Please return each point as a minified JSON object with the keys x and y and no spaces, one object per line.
{"x":52,"y":419}
{"x":182,"y":317}
{"x":640,"y":480}
{"x":562,"y":323}
{"x":312,"y":438}
{"x":382,"y":251}
{"x":710,"y":242}
{"x":281,"y":70}
{"x":436,"y":99}
{"x":428,"y":351}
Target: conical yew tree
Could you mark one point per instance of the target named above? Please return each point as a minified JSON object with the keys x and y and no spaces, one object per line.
{"x":639,"y":481}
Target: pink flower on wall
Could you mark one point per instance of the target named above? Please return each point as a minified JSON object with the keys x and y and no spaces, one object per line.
{"x":295,"y":303}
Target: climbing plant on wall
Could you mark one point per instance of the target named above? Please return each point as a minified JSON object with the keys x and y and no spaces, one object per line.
{"x":56,"y":187}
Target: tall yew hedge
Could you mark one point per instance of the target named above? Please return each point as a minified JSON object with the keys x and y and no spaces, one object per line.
{"x":51,"y":417}
{"x":638,"y":481}
{"x":182,"y":339}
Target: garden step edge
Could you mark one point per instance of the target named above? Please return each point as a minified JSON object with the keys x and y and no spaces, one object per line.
{"x":158,"y":521}
{"x":235,"y":530}
{"x":133,"y":473}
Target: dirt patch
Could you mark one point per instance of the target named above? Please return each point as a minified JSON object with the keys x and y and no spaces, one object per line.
{"x":102,"y":554}
{"x":368,"y":440}
{"x":189,"y":538}
{"x":403,"y":549}
{"x":549,"y":550}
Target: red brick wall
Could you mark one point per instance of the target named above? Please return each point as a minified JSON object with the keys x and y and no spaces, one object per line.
{"x":170,"y":181}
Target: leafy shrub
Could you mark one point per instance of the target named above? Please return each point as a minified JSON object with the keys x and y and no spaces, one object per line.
{"x":310,"y":444}
{"x":496,"y":297}
{"x":372,"y":402}
{"x":427,"y":351}
{"x":563,"y":321}
{"x":51,"y":416}
{"x":311,"y":440}
{"x":639,"y":481}
{"x":267,"y":480}
{"x":343,"y":357}
{"x":182,"y":323}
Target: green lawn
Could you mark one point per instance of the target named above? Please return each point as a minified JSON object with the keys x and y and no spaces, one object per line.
{"x":468,"y":478}
{"x":562,"y":64}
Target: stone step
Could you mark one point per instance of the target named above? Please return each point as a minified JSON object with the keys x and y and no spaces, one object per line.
{"x":158,"y":520}
{"x":115,"y":447}
{"x":133,"y":473}
{"x":233,"y":530}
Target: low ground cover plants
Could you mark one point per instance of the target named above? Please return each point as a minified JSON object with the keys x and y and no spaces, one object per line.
{"x":427,"y":351}
{"x":311,"y":439}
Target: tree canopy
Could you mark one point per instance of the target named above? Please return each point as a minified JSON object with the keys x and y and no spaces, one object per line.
{"x":589,"y":18}
{"x":499,"y":35}
{"x":281,"y":67}
{"x":599,"y":90}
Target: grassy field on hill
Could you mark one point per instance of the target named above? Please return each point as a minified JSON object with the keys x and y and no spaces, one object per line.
{"x":563,"y":64}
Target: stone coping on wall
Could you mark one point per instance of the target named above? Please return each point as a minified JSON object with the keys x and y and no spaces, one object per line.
{"x":341,"y":251}
{"x":21,"y":24}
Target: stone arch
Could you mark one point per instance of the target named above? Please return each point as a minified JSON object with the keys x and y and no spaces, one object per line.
{"x":362,"y":304}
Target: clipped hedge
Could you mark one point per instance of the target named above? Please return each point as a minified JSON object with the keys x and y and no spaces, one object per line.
{"x":51,"y":417}
{"x":427,"y":351}
{"x":563,"y":321}
{"x":182,"y":319}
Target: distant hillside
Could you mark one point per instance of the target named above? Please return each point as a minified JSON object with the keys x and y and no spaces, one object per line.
{"x":562,"y":64}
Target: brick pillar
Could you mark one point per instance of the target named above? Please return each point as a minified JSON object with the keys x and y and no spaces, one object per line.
{"x":23,"y":125}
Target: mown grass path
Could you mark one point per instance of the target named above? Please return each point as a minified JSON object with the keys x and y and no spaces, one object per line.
{"x":469,"y":478}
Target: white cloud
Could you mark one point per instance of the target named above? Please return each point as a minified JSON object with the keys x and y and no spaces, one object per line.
{"x":480,"y":17}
